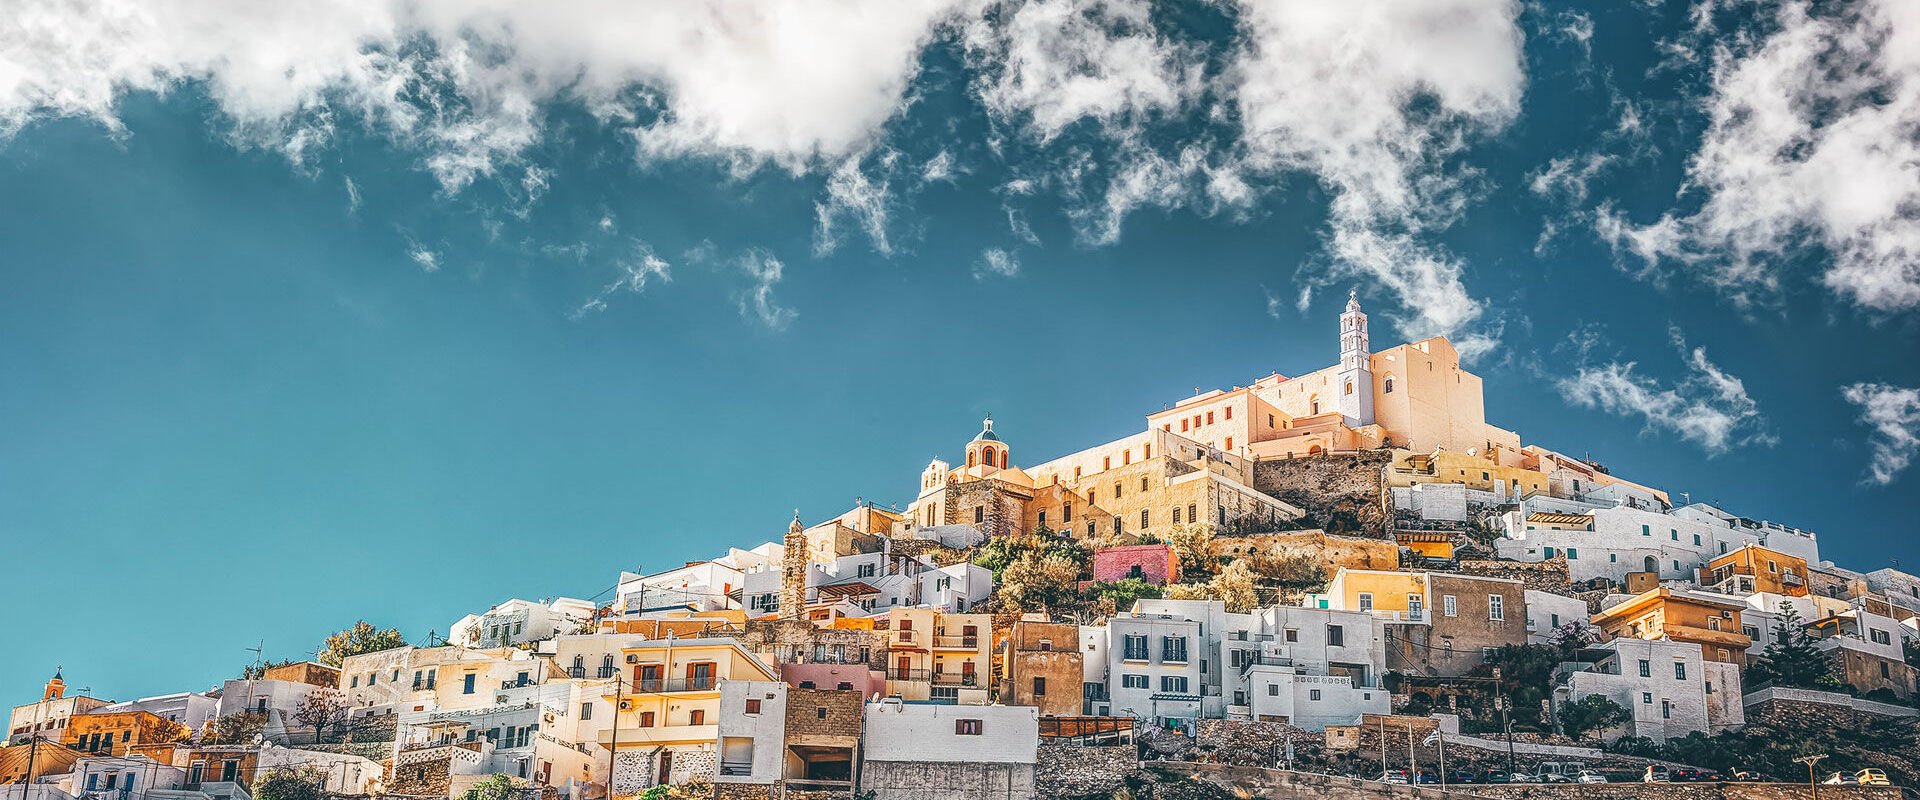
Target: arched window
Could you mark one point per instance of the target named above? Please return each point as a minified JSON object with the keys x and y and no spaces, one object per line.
{"x":1349,"y":387}
{"x":1003,"y":459}
{"x":1314,"y":450}
{"x":1652,"y":565}
{"x":970,"y":457}
{"x":986,"y":456}
{"x":1388,"y":389}
{"x":1314,"y":404}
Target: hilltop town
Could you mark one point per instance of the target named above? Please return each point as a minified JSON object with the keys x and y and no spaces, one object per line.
{"x":1346,"y":571}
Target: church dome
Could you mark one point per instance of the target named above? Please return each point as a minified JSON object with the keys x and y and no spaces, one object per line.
{"x":986,"y":431}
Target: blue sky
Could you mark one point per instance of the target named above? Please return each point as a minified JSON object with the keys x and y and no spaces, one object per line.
{"x":396,"y":310}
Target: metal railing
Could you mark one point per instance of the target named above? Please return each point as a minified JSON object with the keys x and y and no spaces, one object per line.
{"x":705,"y":684}
{"x":736,"y":768}
{"x":968,"y":642}
{"x":956,"y":678}
{"x":914,"y":675}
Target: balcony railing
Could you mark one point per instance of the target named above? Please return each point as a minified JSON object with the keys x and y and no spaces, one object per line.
{"x":706,"y":684}
{"x":956,"y":678}
{"x":736,"y":768}
{"x":966,"y":642}
{"x":914,"y":675}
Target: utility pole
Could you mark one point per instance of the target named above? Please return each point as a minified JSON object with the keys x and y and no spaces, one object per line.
{"x":1506,"y":721}
{"x":613,"y":745}
{"x":1813,"y":789}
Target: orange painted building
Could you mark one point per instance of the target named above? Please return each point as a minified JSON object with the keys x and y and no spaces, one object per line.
{"x":116,"y":733}
{"x":1753,"y":569}
{"x":1698,"y":618}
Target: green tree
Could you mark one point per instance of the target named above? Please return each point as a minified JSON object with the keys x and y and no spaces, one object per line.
{"x":361,"y":638}
{"x":1297,"y":572}
{"x":1791,"y":657}
{"x":1591,"y":713}
{"x":1235,"y":587}
{"x":1122,"y":593}
{"x":237,"y":728}
{"x":497,"y":787}
{"x":1193,"y":544}
{"x":291,"y":784}
{"x":1039,"y":579}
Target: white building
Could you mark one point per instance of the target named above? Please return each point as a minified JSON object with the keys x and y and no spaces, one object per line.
{"x":980,"y":751}
{"x":516,"y":622}
{"x":1666,"y":687}
{"x":699,"y":586}
{"x":752,"y":734}
{"x":956,"y":587}
{"x":430,"y":678}
{"x":1096,"y":697}
{"x":1311,"y":667}
{"x":1609,"y":541}
{"x":1153,"y":667}
{"x":1547,"y":613}
{"x":1771,"y":535}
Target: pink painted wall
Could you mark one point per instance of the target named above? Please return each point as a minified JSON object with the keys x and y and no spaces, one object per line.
{"x":1157,"y":563}
{"x":829,"y":676}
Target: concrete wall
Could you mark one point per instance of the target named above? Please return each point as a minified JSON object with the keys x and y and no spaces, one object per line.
{"x":904,"y":732}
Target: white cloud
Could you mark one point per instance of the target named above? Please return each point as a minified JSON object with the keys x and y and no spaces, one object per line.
{"x":353,"y":196}
{"x":995,"y":262}
{"x":1707,"y":405}
{"x":854,"y":194}
{"x":427,"y":259}
{"x":1811,"y":142}
{"x":1894,"y":414}
{"x":784,"y":82}
{"x":636,"y":272}
{"x":1327,"y":88}
{"x":758,"y":302}
{"x":939,"y":169}
{"x":1049,"y":64}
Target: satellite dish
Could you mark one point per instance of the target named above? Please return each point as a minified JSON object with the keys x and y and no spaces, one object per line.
{"x":1473,"y":452}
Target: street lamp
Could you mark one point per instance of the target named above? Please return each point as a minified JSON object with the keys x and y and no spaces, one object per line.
{"x":1813,"y":789}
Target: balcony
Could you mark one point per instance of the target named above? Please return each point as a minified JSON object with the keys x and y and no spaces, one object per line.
{"x":1688,"y":633}
{"x":663,"y":735}
{"x":956,"y":642}
{"x":910,"y":675}
{"x":736,"y":769}
{"x":956,"y":679}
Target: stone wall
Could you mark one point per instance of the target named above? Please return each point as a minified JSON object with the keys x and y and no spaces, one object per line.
{"x":1873,"y":740}
{"x":1250,"y":743}
{"x":1352,"y":552}
{"x":823,"y":716}
{"x":941,"y":780}
{"x":1543,"y":576}
{"x":421,"y":776}
{"x":1341,"y":492}
{"x":1684,"y":791}
{"x":1071,"y":770}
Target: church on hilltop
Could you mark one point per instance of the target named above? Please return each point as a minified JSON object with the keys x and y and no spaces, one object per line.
{"x":1196,"y":462}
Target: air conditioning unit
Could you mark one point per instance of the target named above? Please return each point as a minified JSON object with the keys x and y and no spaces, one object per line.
{"x":633,"y":659}
{"x":1726,"y":615}
{"x":626,"y":705}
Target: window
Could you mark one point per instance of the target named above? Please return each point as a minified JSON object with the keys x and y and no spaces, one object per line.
{"x":1449,"y":606}
{"x":1336,"y":636}
{"x":1144,"y":522}
{"x":1133,"y":681}
{"x":1646,"y":698}
{"x":1066,"y":512}
{"x":467,"y":686}
{"x":586,"y":711}
{"x":1273,"y":690}
{"x":1293,"y":635}
{"x":967,"y":727}
{"x":1675,"y":533}
{"x":1134,"y":647}
{"x":646,"y":719}
{"x":1039,"y":687}
{"x":1117,"y":525}
{"x":1043,"y":518}
{"x":1679,"y":670}
{"x":1389,"y":385}
{"x":1666,"y":708}
{"x":1192,"y":514}
{"x":1645,"y":530}
{"x":1183,"y":424}
{"x":1879,"y":636}
{"x":1209,"y":418}
{"x":1549,"y":552}
{"x":1646,"y":668}
{"x":1313,"y":694}
{"x":1173,"y":648}
{"x":697,"y":717}
{"x":979,"y":514}
{"x":1496,"y":610}
{"x":1696,"y":540}
{"x":1176,"y":515}
{"x":1173,"y":684}
{"x":1090,"y":530}
{"x":753,"y":706}
{"x":1366,"y":601}
{"x":1143,"y":483}
{"x":1573,"y":553}
{"x":1116,"y":490}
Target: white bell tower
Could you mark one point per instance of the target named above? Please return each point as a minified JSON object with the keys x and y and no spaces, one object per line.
{"x":1354,"y":381}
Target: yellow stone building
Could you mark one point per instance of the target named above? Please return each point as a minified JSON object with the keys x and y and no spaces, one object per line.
{"x":1710,"y":621}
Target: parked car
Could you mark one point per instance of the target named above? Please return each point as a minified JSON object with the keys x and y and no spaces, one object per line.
{"x":1494,"y":777}
{"x":1589,"y":776}
{"x":1552,"y":777}
{"x":1684,"y":775}
{"x":1655,"y":774}
{"x":1871,"y":777}
{"x":1461,"y":776}
{"x":1426,"y":777}
{"x":1842,"y":779}
{"x":1395,"y":776}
